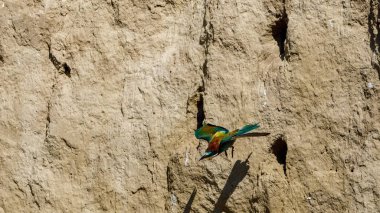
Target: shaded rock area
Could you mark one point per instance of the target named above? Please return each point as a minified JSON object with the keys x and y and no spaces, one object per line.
{"x":100,"y":99}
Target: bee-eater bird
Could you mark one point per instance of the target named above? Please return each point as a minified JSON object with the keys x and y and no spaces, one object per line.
{"x":220,"y":139}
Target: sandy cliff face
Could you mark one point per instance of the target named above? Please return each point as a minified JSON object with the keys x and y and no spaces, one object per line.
{"x":99,"y":101}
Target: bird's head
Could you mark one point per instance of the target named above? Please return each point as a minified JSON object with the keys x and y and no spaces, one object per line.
{"x":207,"y":155}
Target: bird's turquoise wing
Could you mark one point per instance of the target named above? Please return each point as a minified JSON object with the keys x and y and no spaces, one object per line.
{"x":238,"y":132}
{"x":247,"y":128}
{"x":207,"y":131}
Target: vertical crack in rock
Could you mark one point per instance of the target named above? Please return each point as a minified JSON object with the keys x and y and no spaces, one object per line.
{"x":121,"y":109}
{"x":280,"y":149}
{"x":122,"y":97}
{"x":149,"y":137}
{"x":200,"y":105}
{"x":373,"y":31}
{"x":34,"y":196}
{"x":61,"y":67}
{"x":115,"y":7}
{"x":48,"y":119}
{"x":371,"y":23}
{"x":279,"y":31}
{"x":151,"y":173}
{"x":207,"y":37}
{"x":201,"y":111}
{"x":168,"y":178}
{"x":1,"y":54}
{"x":47,"y":126}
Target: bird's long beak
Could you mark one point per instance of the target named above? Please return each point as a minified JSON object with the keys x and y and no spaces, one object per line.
{"x":206,"y":155}
{"x":203,"y":157}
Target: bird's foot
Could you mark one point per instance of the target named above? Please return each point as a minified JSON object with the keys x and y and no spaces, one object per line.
{"x":232,"y":152}
{"x":225,"y":152}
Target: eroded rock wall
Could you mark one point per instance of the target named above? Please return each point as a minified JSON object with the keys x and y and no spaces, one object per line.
{"x":99,"y":101}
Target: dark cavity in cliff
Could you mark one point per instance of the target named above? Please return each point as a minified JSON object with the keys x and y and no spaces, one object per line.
{"x":279,"y":30}
{"x":280,"y":148}
{"x":201,"y":112}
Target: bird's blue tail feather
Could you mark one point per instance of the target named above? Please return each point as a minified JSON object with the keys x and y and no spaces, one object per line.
{"x":247,"y":128}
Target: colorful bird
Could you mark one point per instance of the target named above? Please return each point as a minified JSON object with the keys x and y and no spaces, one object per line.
{"x":220,"y":139}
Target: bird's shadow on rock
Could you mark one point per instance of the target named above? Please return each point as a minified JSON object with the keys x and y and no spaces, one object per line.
{"x":238,"y":173}
{"x":190,"y":202}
